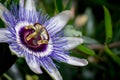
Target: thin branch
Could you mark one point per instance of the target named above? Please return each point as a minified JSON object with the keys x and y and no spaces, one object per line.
{"x":114,"y":45}
{"x":7,"y":77}
{"x":102,"y":47}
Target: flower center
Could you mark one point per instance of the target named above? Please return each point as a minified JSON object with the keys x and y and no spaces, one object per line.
{"x":35,"y":37}
{"x":38,"y":36}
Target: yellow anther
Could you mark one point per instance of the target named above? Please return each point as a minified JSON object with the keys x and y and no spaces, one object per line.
{"x":38,"y":28}
{"x":31,"y":36}
{"x":30,"y":27}
{"x":42,"y":42}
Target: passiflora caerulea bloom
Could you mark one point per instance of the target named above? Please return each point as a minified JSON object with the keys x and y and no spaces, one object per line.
{"x":31,"y":35}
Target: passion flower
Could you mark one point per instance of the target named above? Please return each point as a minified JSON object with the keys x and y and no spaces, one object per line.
{"x":38,"y":39}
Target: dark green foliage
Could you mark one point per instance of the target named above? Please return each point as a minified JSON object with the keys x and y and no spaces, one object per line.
{"x":103,"y":55}
{"x":6,"y":59}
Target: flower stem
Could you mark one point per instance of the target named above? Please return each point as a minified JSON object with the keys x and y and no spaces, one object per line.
{"x":7,"y":77}
{"x":112,"y":55}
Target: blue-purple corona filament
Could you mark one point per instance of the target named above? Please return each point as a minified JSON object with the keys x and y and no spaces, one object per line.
{"x":38,"y":39}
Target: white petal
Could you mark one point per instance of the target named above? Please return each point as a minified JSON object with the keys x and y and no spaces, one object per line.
{"x":72,"y":42}
{"x":3,"y":35}
{"x":30,"y":5}
{"x":14,"y":48}
{"x":34,"y":66}
{"x":3,"y":9}
{"x":54,"y":73}
{"x":76,"y":61}
{"x":59,"y":21}
{"x":21,"y":3}
{"x":69,"y":59}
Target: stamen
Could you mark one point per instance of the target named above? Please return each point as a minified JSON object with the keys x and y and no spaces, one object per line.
{"x":38,"y":28}
{"x":31,"y":36}
{"x":30,"y":27}
{"x":42,"y":42}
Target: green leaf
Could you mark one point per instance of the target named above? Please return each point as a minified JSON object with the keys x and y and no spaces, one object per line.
{"x":112,"y":55}
{"x":86,"y":50}
{"x":2,"y":25}
{"x":71,"y":31}
{"x":88,"y":40}
{"x":58,"y":5}
{"x":68,"y":6}
{"x":108,"y":24}
{"x":90,"y":29}
{"x":7,"y":3}
{"x":3,"y":1}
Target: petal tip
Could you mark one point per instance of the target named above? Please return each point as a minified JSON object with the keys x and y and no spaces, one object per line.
{"x":85,"y":62}
{"x":67,"y":12}
{"x":76,"y":61}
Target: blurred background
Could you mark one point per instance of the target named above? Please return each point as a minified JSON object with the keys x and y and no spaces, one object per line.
{"x":96,"y":21}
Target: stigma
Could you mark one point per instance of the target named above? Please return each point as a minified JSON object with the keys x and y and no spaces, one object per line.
{"x":38,"y":36}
